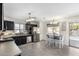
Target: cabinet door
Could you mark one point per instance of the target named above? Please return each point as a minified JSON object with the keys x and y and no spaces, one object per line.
{"x":0,"y":16}
{"x":8,"y":25}
{"x":0,"y":24}
{"x":23,"y":40}
{"x":5,"y":25}
{"x":19,"y":40}
{"x":12,"y":26}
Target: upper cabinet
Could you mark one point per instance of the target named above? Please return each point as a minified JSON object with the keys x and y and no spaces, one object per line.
{"x":8,"y":25}
{"x":0,"y":16}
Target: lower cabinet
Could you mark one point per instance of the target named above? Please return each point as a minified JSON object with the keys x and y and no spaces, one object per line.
{"x":19,"y":40}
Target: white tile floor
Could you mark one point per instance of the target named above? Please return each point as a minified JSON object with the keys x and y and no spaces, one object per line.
{"x":74,"y":41}
{"x":42,"y":49}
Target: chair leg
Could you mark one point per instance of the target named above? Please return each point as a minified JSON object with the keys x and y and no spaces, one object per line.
{"x":60,"y":45}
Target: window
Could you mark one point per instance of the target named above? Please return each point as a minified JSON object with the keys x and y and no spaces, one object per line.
{"x":74,"y":29}
{"x":19,"y":28}
{"x":50,"y":29}
{"x":53,"y":29}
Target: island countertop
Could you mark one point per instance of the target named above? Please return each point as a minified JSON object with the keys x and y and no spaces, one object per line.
{"x":9,"y":48}
{"x":16,"y":35}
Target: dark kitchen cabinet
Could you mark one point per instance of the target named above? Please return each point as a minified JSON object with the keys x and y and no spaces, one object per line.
{"x":8,"y":25}
{"x":19,"y":40}
{"x":22,"y":39}
{"x":0,"y":16}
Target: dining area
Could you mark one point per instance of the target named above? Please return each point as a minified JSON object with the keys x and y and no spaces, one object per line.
{"x":55,"y":36}
{"x":55,"y":40}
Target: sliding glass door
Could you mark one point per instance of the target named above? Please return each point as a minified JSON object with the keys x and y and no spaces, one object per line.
{"x":74,"y":34}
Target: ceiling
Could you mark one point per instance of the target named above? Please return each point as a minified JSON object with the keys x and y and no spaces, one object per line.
{"x":21,"y":10}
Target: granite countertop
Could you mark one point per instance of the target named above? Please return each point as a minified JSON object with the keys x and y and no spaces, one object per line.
{"x":9,"y":36}
{"x":15,"y":35}
{"x":6,"y":39}
{"x":9,"y":48}
{"x":22,"y":35}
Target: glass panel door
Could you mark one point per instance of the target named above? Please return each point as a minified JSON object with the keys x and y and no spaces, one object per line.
{"x":74,"y":34}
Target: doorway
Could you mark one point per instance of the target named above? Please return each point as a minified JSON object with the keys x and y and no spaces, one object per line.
{"x":74,"y":34}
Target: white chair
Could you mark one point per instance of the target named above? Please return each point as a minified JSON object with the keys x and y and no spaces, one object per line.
{"x":59,"y":41}
{"x":55,"y":40}
{"x":50,"y":40}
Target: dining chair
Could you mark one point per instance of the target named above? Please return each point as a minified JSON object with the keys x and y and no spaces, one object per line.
{"x":50,"y":40}
{"x":58,"y":41}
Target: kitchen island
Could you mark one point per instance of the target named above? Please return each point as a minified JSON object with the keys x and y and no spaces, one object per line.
{"x":20,"y":38}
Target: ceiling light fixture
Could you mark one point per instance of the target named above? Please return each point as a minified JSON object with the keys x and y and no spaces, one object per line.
{"x":30,"y":18}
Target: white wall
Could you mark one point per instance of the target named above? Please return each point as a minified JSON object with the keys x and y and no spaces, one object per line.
{"x":65,"y":32}
{"x":15,"y":20}
{"x":43,"y":30}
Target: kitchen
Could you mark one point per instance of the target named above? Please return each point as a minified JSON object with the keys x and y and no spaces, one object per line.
{"x":28,"y":29}
{"x":18,"y":31}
